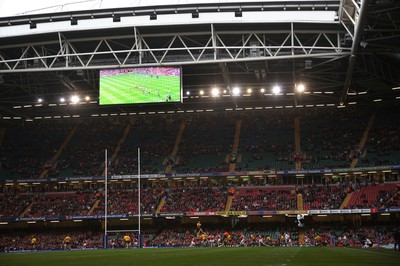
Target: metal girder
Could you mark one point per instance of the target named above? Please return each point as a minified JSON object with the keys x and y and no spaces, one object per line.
{"x":354,"y":14}
{"x":213,"y":46}
{"x":382,"y":29}
{"x":381,"y":69}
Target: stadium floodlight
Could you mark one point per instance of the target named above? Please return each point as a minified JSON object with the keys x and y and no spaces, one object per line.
{"x":224,"y":91}
{"x":249,"y":90}
{"x":201,"y":92}
{"x":62,"y":99}
{"x":235,"y":91}
{"x":74,"y":99}
{"x":262,"y":90}
{"x":300,"y":88}
{"x":40,"y":100}
{"x":87,"y":98}
{"x":215,"y":92}
{"x":188,"y":93}
{"x":276,"y":89}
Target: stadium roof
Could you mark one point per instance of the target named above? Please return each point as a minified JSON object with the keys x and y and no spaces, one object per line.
{"x":345,"y":53}
{"x":26,"y":7}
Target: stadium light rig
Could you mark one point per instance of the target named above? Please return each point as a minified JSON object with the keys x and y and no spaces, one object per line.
{"x":74,"y":99}
{"x":300,"y":88}
{"x":276,"y":89}
{"x":215,"y":92}
{"x":235,"y":91}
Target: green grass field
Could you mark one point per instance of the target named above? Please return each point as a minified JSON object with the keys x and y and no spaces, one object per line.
{"x":279,"y":256}
{"x":130,"y":88}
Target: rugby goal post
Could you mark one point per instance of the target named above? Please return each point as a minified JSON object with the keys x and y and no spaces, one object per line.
{"x":106,"y":230}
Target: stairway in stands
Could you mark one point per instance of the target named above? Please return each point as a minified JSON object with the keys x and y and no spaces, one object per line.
{"x":364,"y":138}
{"x":118,"y":147}
{"x":95,"y":205}
{"x":346,"y":201}
{"x":297,"y":139}
{"x":228,"y":203}
{"x":176,"y":145}
{"x":58,"y":153}
{"x":160,"y":205}
{"x":235,"y":143}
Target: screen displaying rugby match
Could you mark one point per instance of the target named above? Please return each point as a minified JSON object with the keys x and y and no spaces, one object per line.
{"x":140,"y":85}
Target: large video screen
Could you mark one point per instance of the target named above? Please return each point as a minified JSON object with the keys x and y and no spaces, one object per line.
{"x":140,"y":85}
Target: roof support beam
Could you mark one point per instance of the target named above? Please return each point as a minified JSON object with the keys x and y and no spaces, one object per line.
{"x":173,"y":48}
{"x":358,"y":29}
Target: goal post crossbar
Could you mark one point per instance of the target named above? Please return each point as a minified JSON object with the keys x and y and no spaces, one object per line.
{"x":121,"y":231}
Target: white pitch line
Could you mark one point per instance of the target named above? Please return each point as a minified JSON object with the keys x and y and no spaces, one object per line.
{"x":367,"y":251}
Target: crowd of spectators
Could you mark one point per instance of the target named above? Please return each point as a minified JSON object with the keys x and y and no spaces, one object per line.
{"x":84,"y":155}
{"x":51,"y":205}
{"x":323,"y":196}
{"x":194,"y":199}
{"x":383,"y":143}
{"x":374,"y":196}
{"x":324,"y":145}
{"x":264,"y":198}
{"x":155,"y":137}
{"x":125,"y":201}
{"x":206,"y":143}
{"x":27,"y":150}
{"x":13,"y":205}
{"x":266,"y":142}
